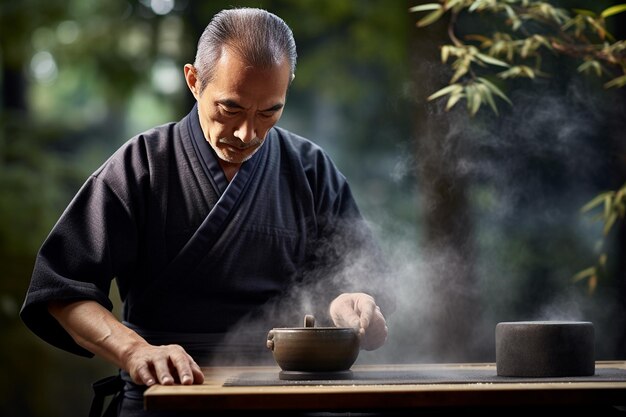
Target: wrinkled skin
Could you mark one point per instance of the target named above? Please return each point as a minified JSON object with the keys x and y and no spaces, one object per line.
{"x":166,"y":365}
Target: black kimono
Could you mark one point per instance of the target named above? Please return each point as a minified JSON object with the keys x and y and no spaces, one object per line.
{"x":195,"y":255}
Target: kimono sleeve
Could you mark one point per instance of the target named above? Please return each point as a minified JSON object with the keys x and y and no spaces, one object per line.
{"x":93,"y":241}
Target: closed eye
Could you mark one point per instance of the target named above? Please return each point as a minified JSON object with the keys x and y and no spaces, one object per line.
{"x":267,"y":114}
{"x":271,"y":112}
{"x":228,"y":112}
{"x":228,"y":107}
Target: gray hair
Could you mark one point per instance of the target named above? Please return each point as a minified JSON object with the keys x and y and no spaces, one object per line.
{"x":261,"y":39}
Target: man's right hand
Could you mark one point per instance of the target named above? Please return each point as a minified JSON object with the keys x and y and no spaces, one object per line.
{"x":96,"y":329}
{"x":166,"y":365}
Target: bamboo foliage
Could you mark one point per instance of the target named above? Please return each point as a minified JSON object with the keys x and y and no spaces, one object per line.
{"x":533,"y":29}
{"x":483,"y":63}
{"x":608,"y":207}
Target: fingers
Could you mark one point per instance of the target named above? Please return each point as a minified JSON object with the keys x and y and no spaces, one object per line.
{"x":198,"y":375}
{"x":162,"y":371}
{"x":377,"y":331}
{"x":165,"y":365}
{"x":342,"y":312}
{"x":143,"y":376}
{"x":359,"y":311}
{"x":366,"y":307}
{"x":187,"y":369}
{"x":352,"y":309}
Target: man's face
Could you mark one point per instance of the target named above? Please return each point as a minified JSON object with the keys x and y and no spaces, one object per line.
{"x":240,"y":105}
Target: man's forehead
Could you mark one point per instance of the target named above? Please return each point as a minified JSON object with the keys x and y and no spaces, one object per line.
{"x":239,"y":84}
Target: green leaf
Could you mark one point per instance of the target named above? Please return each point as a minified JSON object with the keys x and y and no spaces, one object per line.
{"x":430,"y":18}
{"x":609,"y":222}
{"x":454,"y":4}
{"x":445,"y":53}
{"x":585,"y":273}
{"x":584,"y":12}
{"x":543,"y":41}
{"x":621,"y":193}
{"x":613,"y":10}
{"x":596,"y":201}
{"x":495,"y":89}
{"x":491,"y":60}
{"x":425,"y":7}
{"x":473,"y":99}
{"x":473,"y":6}
{"x":590,"y":65}
{"x":451,"y":89}
{"x":600,"y":29}
{"x":592,"y":283}
{"x":510,"y":12}
{"x":454,"y":98}
{"x":489,"y":97}
{"x":462,"y":69}
{"x":616,"y":82}
{"x":608,"y":200}
{"x":510,"y":73}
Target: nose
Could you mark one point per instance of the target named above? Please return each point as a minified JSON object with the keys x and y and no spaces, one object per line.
{"x":246,"y":131}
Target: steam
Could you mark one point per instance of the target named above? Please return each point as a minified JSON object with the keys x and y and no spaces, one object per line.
{"x":524,"y":175}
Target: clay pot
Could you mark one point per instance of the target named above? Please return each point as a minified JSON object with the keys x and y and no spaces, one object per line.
{"x":545,"y":348}
{"x":313,"y":349}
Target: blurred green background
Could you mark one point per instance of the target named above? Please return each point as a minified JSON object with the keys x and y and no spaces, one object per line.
{"x":480,"y":216}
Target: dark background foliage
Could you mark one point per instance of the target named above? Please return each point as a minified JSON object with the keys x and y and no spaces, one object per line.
{"x":480,"y":216}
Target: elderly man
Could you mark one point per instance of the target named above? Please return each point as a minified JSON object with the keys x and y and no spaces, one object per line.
{"x":206,"y":224}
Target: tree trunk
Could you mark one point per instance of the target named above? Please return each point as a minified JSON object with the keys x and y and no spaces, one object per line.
{"x":448,"y":248}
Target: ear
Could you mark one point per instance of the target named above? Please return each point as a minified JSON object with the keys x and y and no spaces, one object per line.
{"x":192,"y":80}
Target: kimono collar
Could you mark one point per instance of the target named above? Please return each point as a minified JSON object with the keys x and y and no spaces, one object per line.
{"x":209,"y":159}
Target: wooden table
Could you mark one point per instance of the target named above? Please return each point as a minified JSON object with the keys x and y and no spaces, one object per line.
{"x":214,"y":396}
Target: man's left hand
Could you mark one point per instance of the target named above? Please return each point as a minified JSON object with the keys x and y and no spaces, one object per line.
{"x":359,"y":311}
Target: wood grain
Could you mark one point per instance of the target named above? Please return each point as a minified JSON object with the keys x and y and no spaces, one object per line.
{"x":212,"y":395}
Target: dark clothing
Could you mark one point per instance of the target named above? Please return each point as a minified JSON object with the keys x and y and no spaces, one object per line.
{"x":192,"y":253}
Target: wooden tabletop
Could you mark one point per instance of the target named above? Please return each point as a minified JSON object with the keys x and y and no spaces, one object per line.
{"x":213,"y":395}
